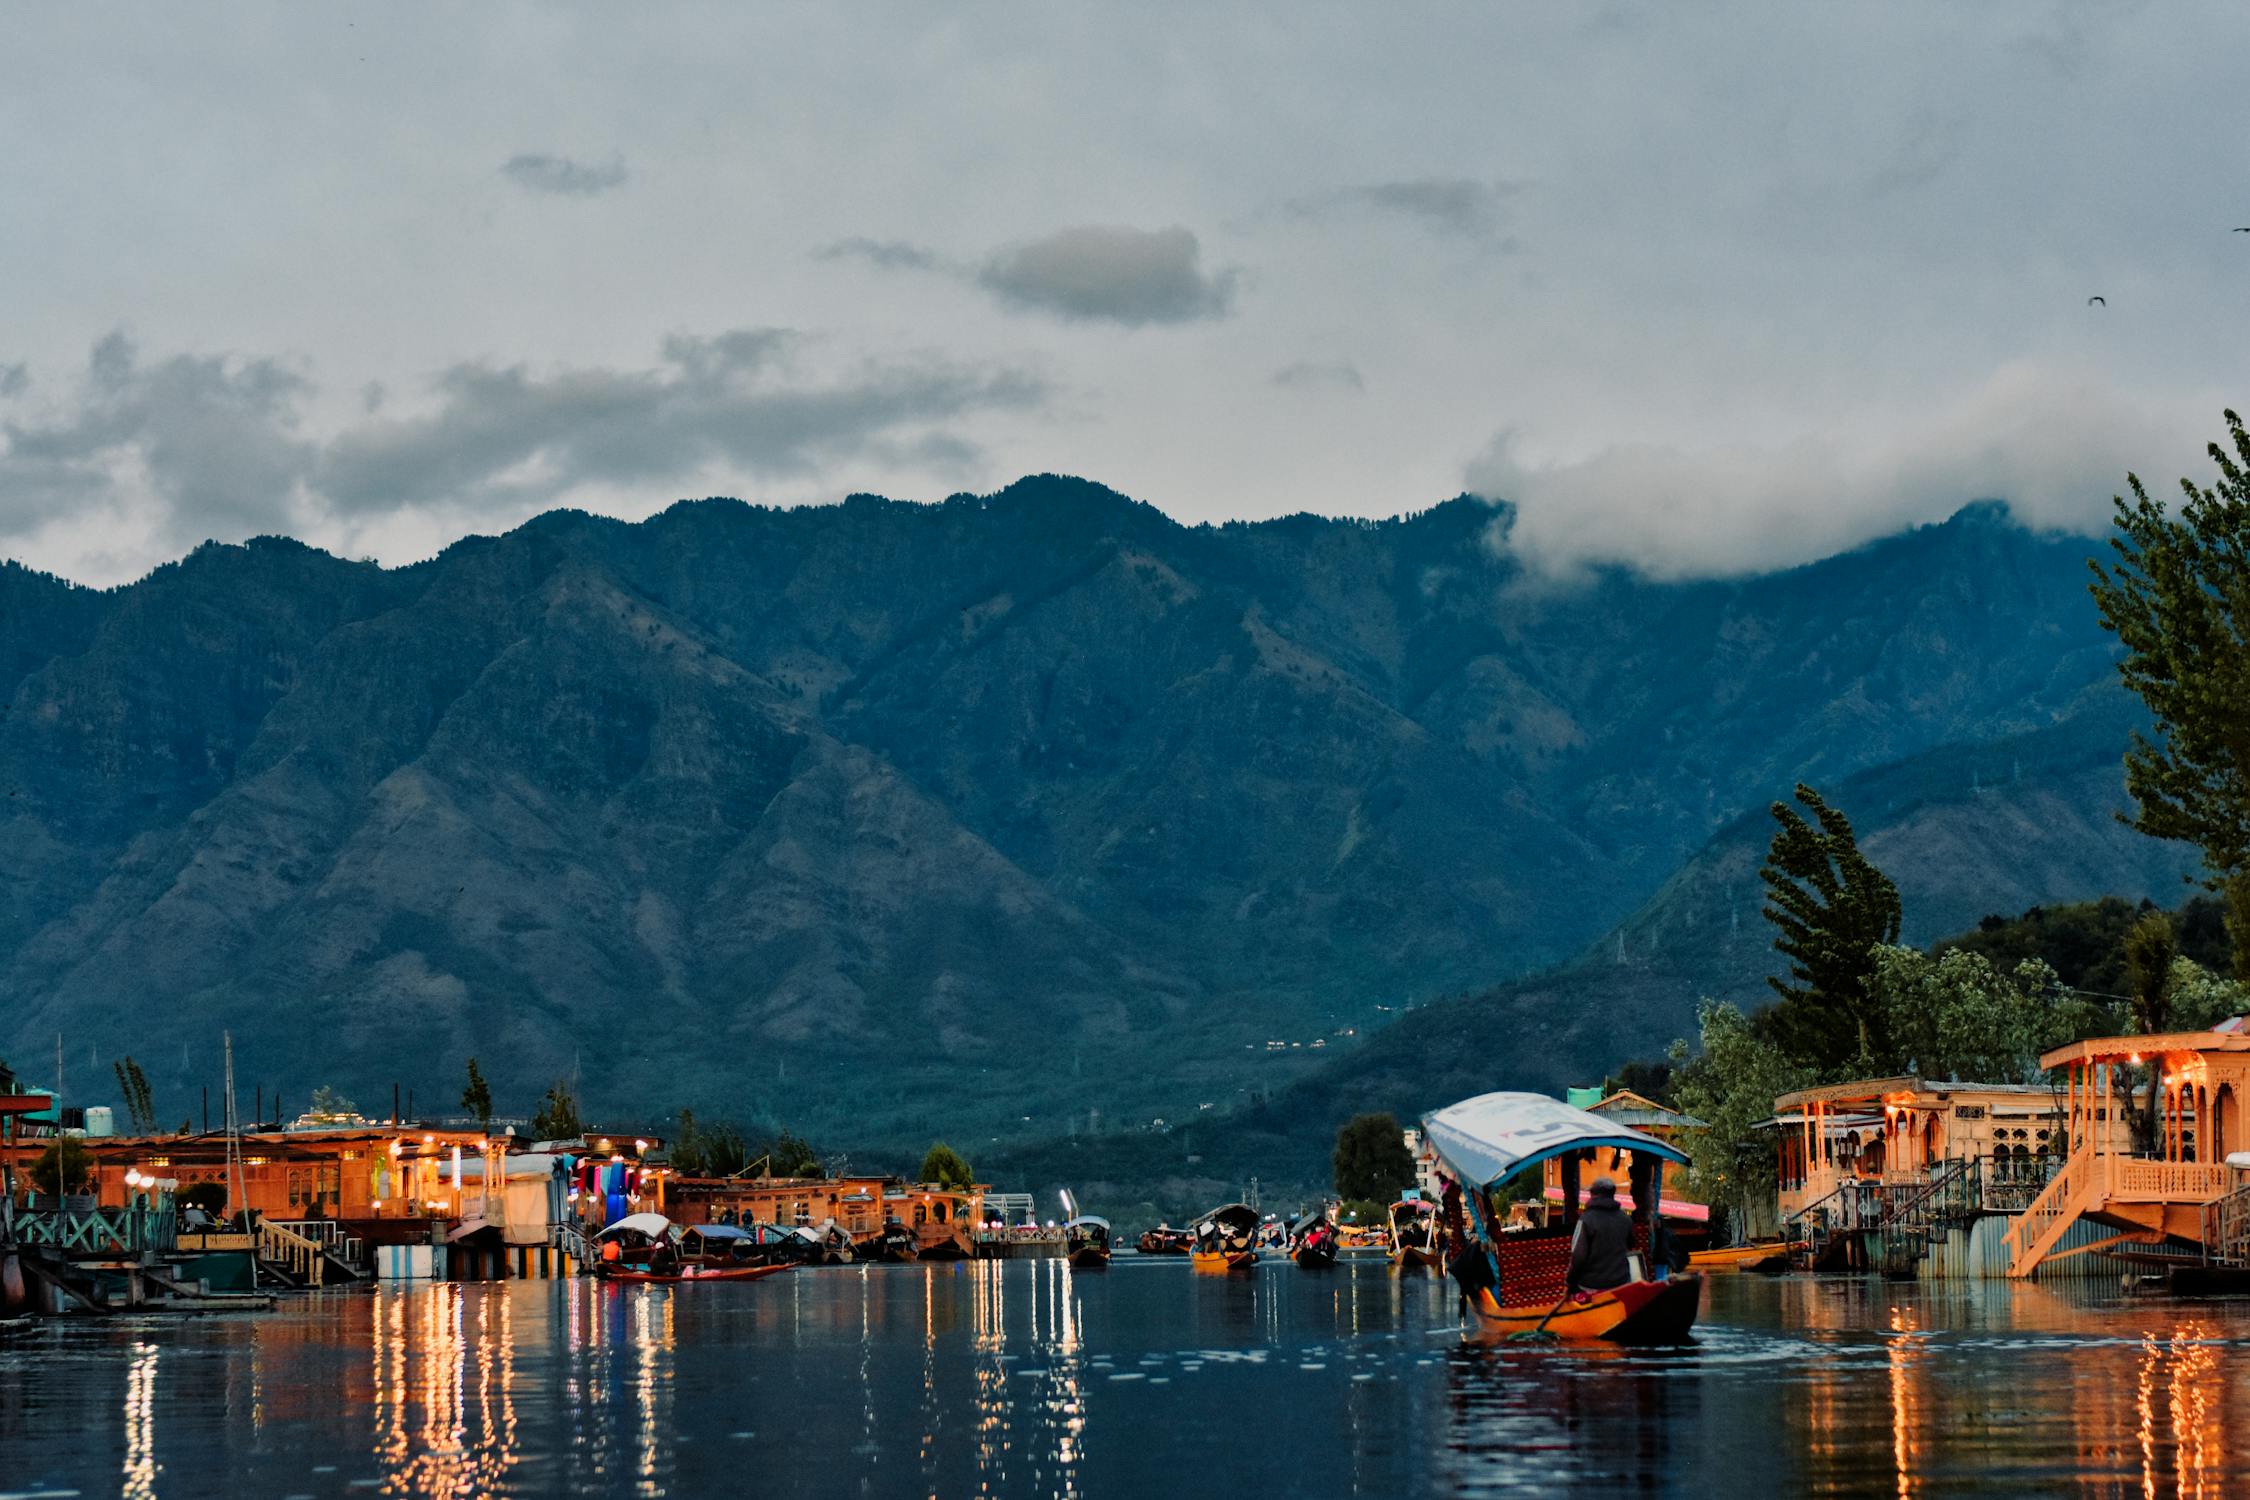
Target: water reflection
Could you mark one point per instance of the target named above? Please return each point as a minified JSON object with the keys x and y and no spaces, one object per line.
{"x":1030,"y":1379}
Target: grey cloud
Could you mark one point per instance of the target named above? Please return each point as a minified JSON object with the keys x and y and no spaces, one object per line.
{"x":214,"y":439}
{"x":504,"y":434}
{"x":1927,"y":148}
{"x":1110,"y":273}
{"x":890,"y":255}
{"x":15,"y":379}
{"x":2055,"y":444}
{"x":1311,"y":373}
{"x":561,"y":175}
{"x":1462,"y":207}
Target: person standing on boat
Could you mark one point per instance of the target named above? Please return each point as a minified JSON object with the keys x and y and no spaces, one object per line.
{"x":1601,"y":1242}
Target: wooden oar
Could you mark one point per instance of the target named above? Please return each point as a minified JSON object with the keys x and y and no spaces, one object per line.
{"x":1540,"y":1335}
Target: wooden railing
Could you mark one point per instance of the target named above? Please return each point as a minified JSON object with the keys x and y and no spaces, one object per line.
{"x":2135,"y":1180}
{"x":297,"y":1254}
{"x":99,"y":1232}
{"x":2027,"y":1238}
{"x":2226,"y":1229}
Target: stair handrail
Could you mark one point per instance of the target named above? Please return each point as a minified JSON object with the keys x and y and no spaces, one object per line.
{"x":284,"y":1246}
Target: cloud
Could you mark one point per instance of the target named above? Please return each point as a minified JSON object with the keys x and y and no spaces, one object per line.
{"x":194,"y":447}
{"x":1461,"y":207}
{"x":2055,"y":444}
{"x":1305,"y":374}
{"x":15,"y":379}
{"x":890,"y":255}
{"x":506,"y":435}
{"x":562,"y":176}
{"x":209,"y":437}
{"x":1110,"y":273}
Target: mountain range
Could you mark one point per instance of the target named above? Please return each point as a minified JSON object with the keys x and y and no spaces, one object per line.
{"x":1020,"y":818}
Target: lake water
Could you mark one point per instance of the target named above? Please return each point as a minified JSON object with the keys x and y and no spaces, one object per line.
{"x":1025,"y":1378}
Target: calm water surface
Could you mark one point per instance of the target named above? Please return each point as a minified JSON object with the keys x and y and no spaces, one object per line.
{"x":1025,"y":1378}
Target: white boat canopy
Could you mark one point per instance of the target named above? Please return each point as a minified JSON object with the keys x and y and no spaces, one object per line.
{"x":1093,"y":1220}
{"x":654,"y":1226}
{"x":1494,"y":1136}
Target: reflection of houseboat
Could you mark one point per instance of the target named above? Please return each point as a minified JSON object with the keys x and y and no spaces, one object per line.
{"x":1086,"y":1242}
{"x":1225,"y":1239}
{"x":1519,"y":1283}
{"x":1417,"y":1237}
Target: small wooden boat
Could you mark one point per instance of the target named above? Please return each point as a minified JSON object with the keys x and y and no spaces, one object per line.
{"x":1312,"y":1241}
{"x":1765,"y":1255}
{"x":895,"y":1245}
{"x":1086,"y":1242}
{"x":1165,"y":1240}
{"x":1517,"y":1281}
{"x":698,"y":1273}
{"x":1225,"y":1239}
{"x":1417,"y":1236}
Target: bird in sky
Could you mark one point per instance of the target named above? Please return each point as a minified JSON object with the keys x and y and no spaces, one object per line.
{"x":2104,"y":301}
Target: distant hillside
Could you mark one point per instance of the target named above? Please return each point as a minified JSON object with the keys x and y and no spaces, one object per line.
{"x":1001,"y":818}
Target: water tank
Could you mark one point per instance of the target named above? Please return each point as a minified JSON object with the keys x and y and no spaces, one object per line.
{"x":101,"y":1121}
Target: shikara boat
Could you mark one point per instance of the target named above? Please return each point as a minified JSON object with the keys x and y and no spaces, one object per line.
{"x":895,"y":1245}
{"x":717,"y":1247}
{"x":1765,"y":1255}
{"x":1417,"y":1236}
{"x":1225,"y":1239}
{"x":1516,"y":1281}
{"x":1312,"y":1241}
{"x":698,"y":1273}
{"x":1086,"y":1242}
{"x":1164,"y":1240}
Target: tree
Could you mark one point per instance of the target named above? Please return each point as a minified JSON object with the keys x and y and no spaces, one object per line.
{"x":2178,"y":599}
{"x":1956,"y":1015}
{"x":1730,"y":1082}
{"x":329,"y":1105}
{"x":557,"y":1119}
{"x":1831,"y":909}
{"x":943,"y":1165}
{"x":132,"y":1086}
{"x":64,"y":1167}
{"x":1371,"y":1160}
{"x":2149,"y":951}
{"x":476,"y":1098}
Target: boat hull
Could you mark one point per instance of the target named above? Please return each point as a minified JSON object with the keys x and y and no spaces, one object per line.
{"x":1313,"y":1260}
{"x":1408,"y":1258}
{"x":1089,"y":1258}
{"x":1221,"y":1262}
{"x":1639,"y":1312}
{"x":698,"y":1273}
{"x":1740,"y":1258}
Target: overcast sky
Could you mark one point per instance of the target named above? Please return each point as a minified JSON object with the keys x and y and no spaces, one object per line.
{"x":1703,"y":288}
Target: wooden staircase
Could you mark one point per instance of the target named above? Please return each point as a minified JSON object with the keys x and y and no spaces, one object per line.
{"x":2065,"y":1199}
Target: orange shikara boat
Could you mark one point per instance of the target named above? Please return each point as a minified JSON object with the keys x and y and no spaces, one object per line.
{"x":1225,"y":1239}
{"x":1516,"y":1280}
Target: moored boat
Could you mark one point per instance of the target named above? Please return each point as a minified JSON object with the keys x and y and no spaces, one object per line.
{"x":1225,"y":1239}
{"x":1517,"y":1281}
{"x":894,"y":1245}
{"x":1312,"y":1240}
{"x":1764,"y":1255}
{"x":699,"y":1273}
{"x":1165,"y":1240}
{"x":1417,"y":1240}
{"x":1086,"y":1242}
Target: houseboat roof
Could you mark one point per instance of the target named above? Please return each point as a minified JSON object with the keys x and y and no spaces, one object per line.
{"x":1876,"y":1090}
{"x":2101,"y":1049}
{"x":1643,"y":1113}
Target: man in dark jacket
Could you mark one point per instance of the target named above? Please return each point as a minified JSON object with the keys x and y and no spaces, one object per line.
{"x":1599,"y":1245}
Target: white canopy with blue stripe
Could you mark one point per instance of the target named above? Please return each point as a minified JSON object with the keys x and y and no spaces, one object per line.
{"x":1492,"y":1137}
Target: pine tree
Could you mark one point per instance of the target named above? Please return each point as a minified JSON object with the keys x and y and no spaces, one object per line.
{"x":477,"y":1097}
{"x":1831,"y":909}
{"x":2178,"y":600}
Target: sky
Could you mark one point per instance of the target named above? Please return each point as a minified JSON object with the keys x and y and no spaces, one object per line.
{"x":1702,"y":289}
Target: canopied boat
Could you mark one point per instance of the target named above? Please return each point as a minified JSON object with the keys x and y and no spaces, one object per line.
{"x":636,"y":1243}
{"x":1517,"y":1281}
{"x":1417,"y":1240}
{"x":1226,"y":1239}
{"x":1086,"y":1241}
{"x":895,"y":1244}
{"x":1165,"y":1240}
{"x":1312,"y":1240}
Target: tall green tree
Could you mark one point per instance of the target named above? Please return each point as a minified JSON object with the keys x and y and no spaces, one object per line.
{"x":1371,"y":1161}
{"x":476,"y":1098}
{"x":1730,"y":1082}
{"x":557,"y":1118}
{"x":2178,"y":599}
{"x":945,"y":1166}
{"x":140,"y":1104}
{"x":1831,"y":909}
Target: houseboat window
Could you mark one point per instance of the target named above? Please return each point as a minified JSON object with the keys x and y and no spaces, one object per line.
{"x":937,"y":1212}
{"x":921,"y":1215}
